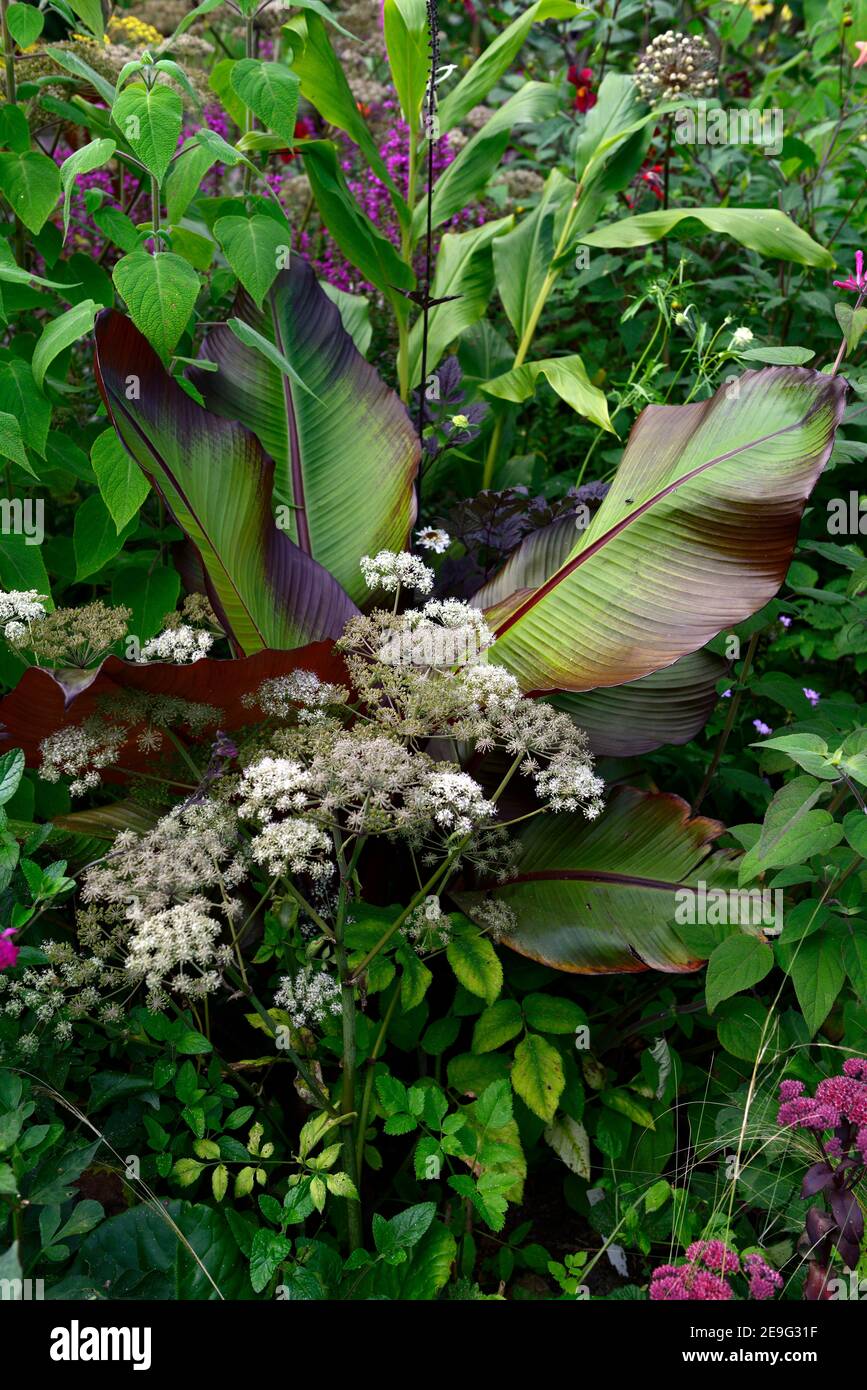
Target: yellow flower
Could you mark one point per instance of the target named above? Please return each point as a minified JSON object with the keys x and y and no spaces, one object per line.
{"x":786,"y":14}
{"x":760,"y":11}
{"x":128,"y":29}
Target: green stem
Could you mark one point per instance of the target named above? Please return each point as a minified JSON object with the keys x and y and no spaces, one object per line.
{"x":266,"y":1018}
{"x":155,"y":213}
{"x":368,"y":1080}
{"x":347,"y":1099}
{"x":729,"y":724}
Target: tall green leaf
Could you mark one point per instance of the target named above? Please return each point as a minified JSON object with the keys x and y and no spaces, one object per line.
{"x":766,"y":230}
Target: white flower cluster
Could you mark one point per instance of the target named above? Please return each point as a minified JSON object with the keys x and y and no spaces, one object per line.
{"x":442,"y":634}
{"x":18,"y":609}
{"x":186,"y":852}
{"x":497,"y":918}
{"x":181,"y":645}
{"x":494,"y":690}
{"x":271,"y":785}
{"x":294,"y":846}
{"x":390,"y":570}
{"x":675,"y":65}
{"x":427,"y":927}
{"x":81,"y":751}
{"x":176,"y":939}
{"x":569,"y":784}
{"x":301,"y":693}
{"x":309,"y":996}
{"x":455,"y":802}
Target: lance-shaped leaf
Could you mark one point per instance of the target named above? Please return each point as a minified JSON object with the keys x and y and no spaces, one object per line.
{"x":601,"y":897}
{"x":766,"y":230}
{"x":345,"y":451}
{"x":217,"y":481}
{"x":45,"y":701}
{"x":465,"y":277}
{"x":695,"y":534}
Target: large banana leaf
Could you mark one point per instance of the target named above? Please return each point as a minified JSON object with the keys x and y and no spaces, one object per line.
{"x":695,"y":534}
{"x":596,"y":898}
{"x":667,"y":706}
{"x":217,"y":481}
{"x":45,"y":701}
{"x":345,"y":450}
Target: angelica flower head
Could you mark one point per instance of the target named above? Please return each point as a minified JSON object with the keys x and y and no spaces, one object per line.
{"x":81,"y":751}
{"x":18,"y":609}
{"x":294,"y":846}
{"x":391,"y":570}
{"x":310,"y":996}
{"x":180,"y":644}
{"x":300,"y":693}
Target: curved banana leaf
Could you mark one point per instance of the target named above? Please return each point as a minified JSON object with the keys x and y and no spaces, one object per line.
{"x":217,"y":482}
{"x":668,"y":706}
{"x":599,"y":898}
{"x":695,"y":534}
{"x":45,"y":701}
{"x":345,"y":450}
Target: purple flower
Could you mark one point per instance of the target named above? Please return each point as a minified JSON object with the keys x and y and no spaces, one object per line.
{"x":812,"y":695}
{"x":726,"y":694}
{"x":786,"y":622}
{"x":715,"y":1254}
{"x":762,"y":728}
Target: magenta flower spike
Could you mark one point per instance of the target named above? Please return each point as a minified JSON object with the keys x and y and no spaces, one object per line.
{"x":858,"y":281}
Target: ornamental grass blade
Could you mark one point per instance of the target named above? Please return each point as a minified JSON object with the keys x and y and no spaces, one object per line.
{"x":345,"y":450}
{"x":600,"y":897}
{"x":695,"y":534}
{"x":217,"y":482}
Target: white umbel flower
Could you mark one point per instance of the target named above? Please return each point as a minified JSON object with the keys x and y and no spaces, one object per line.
{"x":293,"y":846}
{"x":391,"y":570}
{"x":181,"y":645}
{"x":273,"y":785}
{"x":18,"y":609}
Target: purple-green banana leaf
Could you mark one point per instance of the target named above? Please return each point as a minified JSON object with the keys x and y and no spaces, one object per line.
{"x":600,"y":897}
{"x":695,"y":534}
{"x":217,"y":481}
{"x":345,"y":450}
